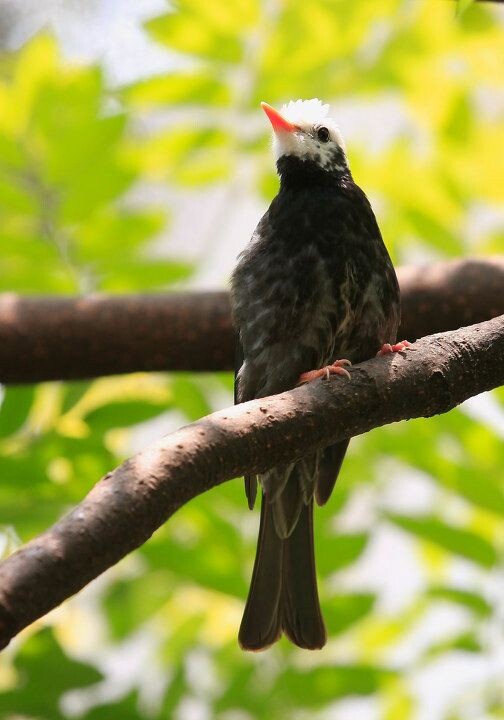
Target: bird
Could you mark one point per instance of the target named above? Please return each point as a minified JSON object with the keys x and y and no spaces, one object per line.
{"x":313,"y":292}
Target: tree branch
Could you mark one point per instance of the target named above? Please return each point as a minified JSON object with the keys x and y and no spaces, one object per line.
{"x":123,"y":510}
{"x":61,"y":338}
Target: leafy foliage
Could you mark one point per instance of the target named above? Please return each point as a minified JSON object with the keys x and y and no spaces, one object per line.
{"x":414,"y":530}
{"x":64,"y":163}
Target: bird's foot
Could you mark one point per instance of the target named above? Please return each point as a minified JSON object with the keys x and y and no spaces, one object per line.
{"x":337,"y":368}
{"x":398,"y":347}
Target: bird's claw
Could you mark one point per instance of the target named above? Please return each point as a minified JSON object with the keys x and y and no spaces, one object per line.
{"x":338,"y":367}
{"x":398,"y":347}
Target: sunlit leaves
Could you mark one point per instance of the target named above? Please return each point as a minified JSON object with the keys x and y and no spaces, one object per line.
{"x":297,"y":689}
{"x":190,"y":88}
{"x":464,"y":457}
{"x":337,"y":551}
{"x":187,"y":156}
{"x":471,"y":600}
{"x":43,"y":674}
{"x":15,"y":405}
{"x":463,"y":5}
{"x":189,"y":35}
{"x":466,"y":642}
{"x":315,"y":688}
{"x":342,"y":611}
{"x":348,"y":51}
{"x":133,"y":601}
{"x":64,"y":168}
{"x":216,"y":566}
{"x":456,"y":540}
{"x":207,"y":30}
{"x":54,"y":443}
{"x":126,"y":708}
{"x":188,"y":397}
{"x":424,"y":84}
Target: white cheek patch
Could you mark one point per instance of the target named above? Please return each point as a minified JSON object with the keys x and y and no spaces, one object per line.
{"x":289,"y":143}
{"x":306,"y":147}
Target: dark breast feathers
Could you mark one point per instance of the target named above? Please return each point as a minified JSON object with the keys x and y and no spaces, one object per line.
{"x":315,"y":284}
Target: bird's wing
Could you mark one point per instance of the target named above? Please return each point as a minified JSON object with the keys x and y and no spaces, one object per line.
{"x":250,"y":480}
{"x":238,"y":362}
{"x":330,"y":461}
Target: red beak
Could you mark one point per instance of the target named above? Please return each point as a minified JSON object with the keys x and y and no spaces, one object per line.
{"x":278,"y":122}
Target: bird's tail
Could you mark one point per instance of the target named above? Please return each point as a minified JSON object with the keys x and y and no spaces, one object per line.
{"x":283,"y":594}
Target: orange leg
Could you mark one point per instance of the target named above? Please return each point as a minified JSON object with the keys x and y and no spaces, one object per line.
{"x":398,"y":347}
{"x":337,"y":368}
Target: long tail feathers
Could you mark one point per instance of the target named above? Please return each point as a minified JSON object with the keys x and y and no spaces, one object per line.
{"x":287,"y":506}
{"x":283,"y":593}
{"x":302,"y":619}
{"x":261,"y":623}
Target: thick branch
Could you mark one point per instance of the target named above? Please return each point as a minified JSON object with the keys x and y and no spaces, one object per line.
{"x":51,"y":338}
{"x":128,"y":505}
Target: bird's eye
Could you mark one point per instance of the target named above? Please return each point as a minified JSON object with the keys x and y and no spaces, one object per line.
{"x":323,"y":134}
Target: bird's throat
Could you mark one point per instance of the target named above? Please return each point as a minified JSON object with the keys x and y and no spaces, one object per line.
{"x":300,"y":172}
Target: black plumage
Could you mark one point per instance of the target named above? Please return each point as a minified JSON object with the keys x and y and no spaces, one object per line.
{"x":314,"y":285}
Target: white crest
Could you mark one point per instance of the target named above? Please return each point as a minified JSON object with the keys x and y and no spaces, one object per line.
{"x":306,"y":112}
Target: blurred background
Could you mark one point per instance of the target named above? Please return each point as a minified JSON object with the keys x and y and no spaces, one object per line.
{"x":134,"y":156}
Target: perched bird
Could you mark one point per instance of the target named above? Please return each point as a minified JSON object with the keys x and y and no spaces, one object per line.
{"x":313,"y":292}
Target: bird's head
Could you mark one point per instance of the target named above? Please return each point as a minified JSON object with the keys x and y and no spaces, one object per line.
{"x":305,"y":136}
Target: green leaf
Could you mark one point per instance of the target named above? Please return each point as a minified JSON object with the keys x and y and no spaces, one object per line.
{"x":462,"y":6}
{"x":73,"y":392}
{"x":471,"y":600}
{"x":123,"y":414}
{"x":187,"y":88}
{"x":456,"y":540}
{"x":14,"y":408}
{"x":186,"y":549}
{"x":90,"y":190}
{"x":127,"y":708}
{"x":316,"y":687}
{"x":188,"y":34}
{"x":182,"y":636}
{"x":460,"y":121}
{"x":434,"y":231}
{"x":208,"y":30}
{"x":116,"y":237}
{"x":11,"y":154}
{"x":46,"y":475}
{"x":188,"y":397}
{"x":131,"y":602}
{"x":473,"y":473}
{"x":67,"y":163}
{"x":466,"y":642}
{"x":483,"y":492}
{"x":334,"y":552}
{"x":15,"y":196}
{"x":44,"y":673}
{"x":134,"y":273}
{"x":178,"y":688}
{"x":343,"y":611}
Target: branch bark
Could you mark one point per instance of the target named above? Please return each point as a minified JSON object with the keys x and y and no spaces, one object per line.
{"x":61,"y":338}
{"x":130,"y":503}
